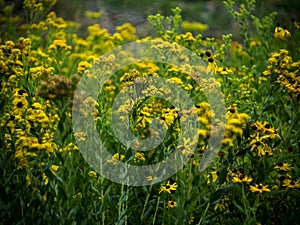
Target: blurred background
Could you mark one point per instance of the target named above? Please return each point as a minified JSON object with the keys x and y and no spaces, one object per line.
{"x":210,"y":12}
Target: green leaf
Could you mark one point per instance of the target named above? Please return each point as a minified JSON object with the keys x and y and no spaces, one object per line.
{"x":216,"y":197}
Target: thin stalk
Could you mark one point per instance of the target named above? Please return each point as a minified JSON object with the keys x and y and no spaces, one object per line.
{"x":120,"y":203}
{"x":205,"y":211}
{"x":156,"y":209}
{"x":146,"y":202}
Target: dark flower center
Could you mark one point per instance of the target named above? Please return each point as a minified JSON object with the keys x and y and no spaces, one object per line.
{"x":208,"y":54}
{"x":19,"y":104}
{"x":21,"y":92}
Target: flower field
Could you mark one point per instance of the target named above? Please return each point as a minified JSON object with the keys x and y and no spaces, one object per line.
{"x":45,"y":177}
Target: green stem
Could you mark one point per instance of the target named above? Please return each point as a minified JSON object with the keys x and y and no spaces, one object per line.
{"x":205,"y":211}
{"x":156,"y":209}
{"x":120,"y":203}
{"x":146,"y":202}
{"x":102,"y":203}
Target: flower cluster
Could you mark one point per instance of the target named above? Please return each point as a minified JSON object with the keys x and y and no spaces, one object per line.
{"x":284,"y":71}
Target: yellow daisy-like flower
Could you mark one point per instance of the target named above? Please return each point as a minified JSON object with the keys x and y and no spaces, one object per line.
{"x":241,"y":179}
{"x":168,"y":188}
{"x":291,"y":184}
{"x":259,"y":188}
{"x":172,"y":204}
{"x":283,"y":167}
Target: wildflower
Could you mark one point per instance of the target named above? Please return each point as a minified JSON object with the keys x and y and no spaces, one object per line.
{"x":281,"y":33}
{"x":80,"y":136}
{"x":58,"y":45}
{"x":93,"y":15}
{"x":291,"y":184}
{"x":172,"y":204}
{"x":151,"y":178}
{"x":214,"y":175}
{"x":224,"y":71}
{"x":222,"y":205}
{"x":92,"y":174}
{"x":259,"y":188}
{"x":175,"y":80}
{"x":169,"y":116}
{"x":242,"y":179}
{"x":127,"y":32}
{"x":139,"y":157}
{"x":78,"y":195}
{"x":54,"y":169}
{"x":212,"y":65}
{"x":283,"y":167}
{"x":259,"y":145}
{"x":82,"y":66}
{"x":116,"y":158}
{"x":45,"y":179}
{"x":295,"y":23}
{"x":168,"y":188}
{"x":255,"y":43}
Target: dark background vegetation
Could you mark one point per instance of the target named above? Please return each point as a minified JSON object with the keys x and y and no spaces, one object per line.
{"x":210,"y":12}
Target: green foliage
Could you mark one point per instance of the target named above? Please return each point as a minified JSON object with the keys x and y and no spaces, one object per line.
{"x":44,"y":179}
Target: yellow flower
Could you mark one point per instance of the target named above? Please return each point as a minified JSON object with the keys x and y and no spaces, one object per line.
{"x":59,"y":45}
{"x":259,"y":188}
{"x":93,"y":15}
{"x":150,"y":178}
{"x":291,"y":184}
{"x":222,"y":205}
{"x":116,"y":158}
{"x":92,"y":174}
{"x":214,"y":175}
{"x":45,"y":179}
{"x":54,"y":169}
{"x":80,"y":136}
{"x":281,"y":33}
{"x":172,"y":204}
{"x":168,"y":188}
{"x":241,"y":179}
{"x":78,"y":195}
{"x":139,"y":157}
{"x":175,"y":80}
{"x":212,"y":65}
{"x":283,"y":167}
{"x":82,"y":66}
{"x":259,"y":145}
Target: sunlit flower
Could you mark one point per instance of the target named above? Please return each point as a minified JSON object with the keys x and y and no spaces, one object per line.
{"x":54,"y":169}
{"x":92,"y":173}
{"x":241,"y":179}
{"x":168,"y":187}
{"x":281,"y":33}
{"x":259,"y":188}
